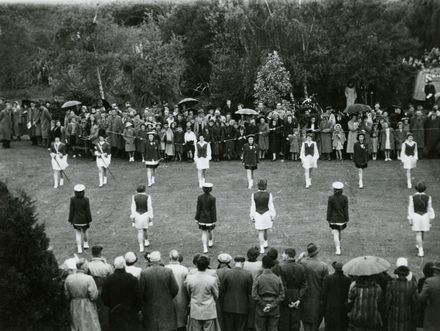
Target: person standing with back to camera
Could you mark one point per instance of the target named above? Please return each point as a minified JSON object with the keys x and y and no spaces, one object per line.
{"x":206,"y":215}
{"x":337,"y":214}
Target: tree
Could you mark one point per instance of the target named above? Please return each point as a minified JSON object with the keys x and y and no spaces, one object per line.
{"x":273,"y":81}
{"x":32,"y":296}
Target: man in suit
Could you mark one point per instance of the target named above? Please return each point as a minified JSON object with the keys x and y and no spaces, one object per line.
{"x":295,"y":285}
{"x":206,"y":215}
{"x":337,"y":214}
{"x":203,"y":291}
{"x":431,"y":296}
{"x":236,"y":289}
{"x":6,"y":125}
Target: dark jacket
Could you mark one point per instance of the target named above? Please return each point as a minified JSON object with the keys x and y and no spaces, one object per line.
{"x":337,"y":209}
{"x":334,"y":298}
{"x":400,"y":305}
{"x":120,"y":293}
{"x":268,"y":289}
{"x":206,"y":210}
{"x":236,"y":287}
{"x":250,"y":155}
{"x":360,"y":155}
{"x":431,"y":295}
{"x":158,"y":287}
{"x":79,"y":212}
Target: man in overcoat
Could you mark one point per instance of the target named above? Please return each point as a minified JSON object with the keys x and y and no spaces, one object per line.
{"x":431,"y":296}
{"x":6,"y":125}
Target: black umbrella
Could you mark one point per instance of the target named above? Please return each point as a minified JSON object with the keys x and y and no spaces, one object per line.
{"x":357,"y":108}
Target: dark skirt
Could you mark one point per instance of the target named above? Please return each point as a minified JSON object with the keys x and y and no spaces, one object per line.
{"x":337,"y":227}
{"x":361,"y":165}
{"x":81,"y":227}
{"x":248,"y":167}
{"x":205,"y":227}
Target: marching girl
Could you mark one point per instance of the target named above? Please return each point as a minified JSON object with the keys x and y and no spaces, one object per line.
{"x":151,"y":158}
{"x":103,"y":159}
{"x":250,"y":160}
{"x":80,"y":216}
{"x":309,"y":156}
{"x":360,"y":156}
{"x":409,"y":156}
{"x":58,"y":156}
{"x":420,"y":214}
{"x":337,"y":214}
{"x":262,"y":213}
{"x":142,"y":215}
{"x":202,"y":156}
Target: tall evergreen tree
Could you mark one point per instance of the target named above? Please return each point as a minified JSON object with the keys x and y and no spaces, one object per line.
{"x":30,"y":290}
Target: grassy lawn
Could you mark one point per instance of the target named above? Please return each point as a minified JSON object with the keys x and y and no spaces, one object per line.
{"x":378,"y":223}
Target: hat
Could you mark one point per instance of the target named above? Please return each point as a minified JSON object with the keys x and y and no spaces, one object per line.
{"x":119,"y":262}
{"x":207,"y":185}
{"x":401,"y":261}
{"x":154,"y":256}
{"x":420,"y":186}
{"x":361,"y":134}
{"x":436,"y":265}
{"x":79,"y":188}
{"x":224,"y":258}
{"x":130,"y":257}
{"x":312,"y":249}
{"x":337,"y":266}
{"x":239,"y":258}
{"x":309,"y":133}
{"x":338,"y":185}
{"x":97,"y":249}
{"x":128,"y":124}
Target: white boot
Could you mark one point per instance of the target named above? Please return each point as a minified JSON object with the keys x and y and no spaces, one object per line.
{"x":79,"y":248}
{"x":205,"y":249}
{"x":100,"y":180}
{"x":141,"y":248}
{"x":62,"y":182}
{"x":361,"y":185}
{"x":105,"y":180}
{"x":421,"y":253}
{"x":55,"y":181}
{"x":266,"y":244}
{"x":153,"y":180}
{"x":338,"y":250}
{"x":261,"y":249}
{"x":210,"y":243}
{"x":146,"y":243}
{"x":86,"y":244}
{"x":409,"y":184}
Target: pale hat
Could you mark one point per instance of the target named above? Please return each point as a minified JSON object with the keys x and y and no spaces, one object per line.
{"x":130,"y":257}
{"x":79,"y":188}
{"x":154,"y":256}
{"x":119,"y":262}
{"x":224,"y":258}
{"x":401,"y":261}
{"x":128,"y":124}
{"x":207,"y":185}
{"x":338,"y":185}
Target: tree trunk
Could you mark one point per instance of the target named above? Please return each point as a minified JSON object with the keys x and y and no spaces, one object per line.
{"x":306,"y":93}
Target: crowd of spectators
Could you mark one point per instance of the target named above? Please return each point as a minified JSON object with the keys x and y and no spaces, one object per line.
{"x":249,"y":293}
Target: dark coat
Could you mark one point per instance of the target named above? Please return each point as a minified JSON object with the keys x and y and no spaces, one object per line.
{"x":275,"y":136}
{"x":250,"y":156}
{"x":400,"y":305}
{"x":45,"y":122}
{"x":236,"y":291}
{"x":360,"y":155}
{"x":206,"y":209}
{"x":5,"y":125}
{"x":158,"y":287}
{"x":334,"y":299}
{"x":120,"y":293}
{"x":337,"y":209}
{"x":79,"y":212}
{"x":432,"y":134}
{"x":431,"y":295}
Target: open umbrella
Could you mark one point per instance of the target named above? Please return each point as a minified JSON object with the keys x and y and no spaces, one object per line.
{"x":70,"y":104}
{"x":246,"y":111}
{"x":366,"y":266}
{"x":357,"y":108}
{"x":187,"y":100}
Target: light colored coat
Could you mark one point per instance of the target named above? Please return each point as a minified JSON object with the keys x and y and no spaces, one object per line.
{"x":181,"y":299}
{"x":203,"y":291}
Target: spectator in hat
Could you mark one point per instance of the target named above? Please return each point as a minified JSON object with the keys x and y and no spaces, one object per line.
{"x":129,"y":137}
{"x":103,"y":158}
{"x":316,"y":271}
{"x":409,"y":156}
{"x":130,"y":261}
{"x":236,"y":287}
{"x":428,"y":271}
{"x":206,"y":215}
{"x":268,"y":292}
{"x":262,"y":213}
{"x":158,"y":287}
{"x":181,"y":300}
{"x":360,"y":156}
{"x":294,"y":280}
{"x":81,"y":290}
{"x":429,"y":92}
{"x":120,"y":293}
{"x":6,"y":125}
{"x":203,"y":290}
{"x":417,"y":125}
{"x":142,"y":215}
{"x":250,"y":159}
{"x":334,"y":298}
{"x":420,"y":214}
{"x":80,"y":217}
{"x":309,"y":156}
{"x":337,"y":214}
{"x":430,"y":295}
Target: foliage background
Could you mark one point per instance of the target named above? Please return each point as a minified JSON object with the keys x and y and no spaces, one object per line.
{"x":213,"y":49}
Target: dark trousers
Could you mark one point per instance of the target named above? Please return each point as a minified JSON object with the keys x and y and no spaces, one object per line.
{"x":266,"y":323}
{"x":290,"y":319}
{"x":6,"y":143}
{"x":234,"y":322}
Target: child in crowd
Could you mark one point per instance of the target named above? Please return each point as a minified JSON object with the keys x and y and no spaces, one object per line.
{"x":338,"y":141}
{"x":294,"y":144}
{"x":178,"y":143}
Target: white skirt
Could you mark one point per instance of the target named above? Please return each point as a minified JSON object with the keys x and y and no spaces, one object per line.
{"x":409,"y":162}
{"x":62,"y":163}
{"x":141,"y":221}
{"x":103,"y":161}
{"x":202,"y":163}
{"x":421,"y":222}
{"x":309,"y":162}
{"x":263,"y":221}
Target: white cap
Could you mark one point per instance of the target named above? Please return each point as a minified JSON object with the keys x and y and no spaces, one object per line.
{"x":208,"y":185}
{"x":130,"y":257}
{"x":338,"y":185}
{"x":401,"y":261}
{"x":79,"y":188}
{"x":119,"y":262}
{"x":154,"y":256}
